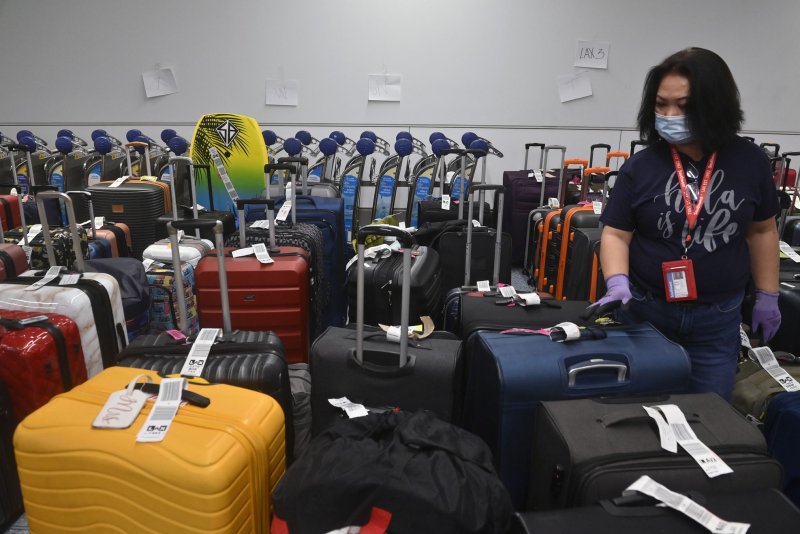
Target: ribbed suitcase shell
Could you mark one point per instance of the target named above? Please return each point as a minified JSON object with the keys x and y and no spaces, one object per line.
{"x":213,"y":472}
{"x":588,"y":449}
{"x":31,"y":362}
{"x":271,"y":296}
{"x":578,"y":269}
{"x":136,"y":203}
{"x":12,"y":261}
{"x":9,"y":212}
{"x":572,"y":219}
{"x":101,"y":319}
{"x":508,"y":375}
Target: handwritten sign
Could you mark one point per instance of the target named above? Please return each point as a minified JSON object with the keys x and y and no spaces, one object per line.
{"x":384,"y":87}
{"x":159,"y":82}
{"x":282,"y":93}
{"x":574,"y":86}
{"x":591,"y":54}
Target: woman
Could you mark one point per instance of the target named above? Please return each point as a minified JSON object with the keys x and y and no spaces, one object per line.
{"x":692,"y":218}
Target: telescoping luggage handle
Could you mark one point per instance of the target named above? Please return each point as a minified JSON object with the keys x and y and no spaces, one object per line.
{"x":73,"y":228}
{"x":786,"y":156}
{"x":269,"y":168}
{"x":173,"y":170}
{"x":547,"y":150}
{"x":528,"y":147}
{"x":191,"y":224}
{"x":240,"y":204}
{"x":15,"y":184}
{"x":498,"y":242}
{"x":407,"y":240}
{"x":302,"y":171}
{"x":88,"y":196}
{"x":138,"y":144}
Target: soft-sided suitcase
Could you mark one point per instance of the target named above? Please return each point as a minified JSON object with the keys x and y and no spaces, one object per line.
{"x":585,"y":450}
{"x":361,"y":364}
{"x":164,"y":299}
{"x":782,"y":429}
{"x":458,"y":245}
{"x":252,"y":359}
{"x":755,"y":387}
{"x":509,"y":374}
{"x":766,"y":511}
{"x":786,"y":339}
{"x":213,"y":471}
{"x":272,"y":296}
{"x":524,"y":193}
{"x":40,"y":357}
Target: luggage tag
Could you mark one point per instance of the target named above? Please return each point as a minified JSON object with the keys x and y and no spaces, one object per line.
{"x":223,"y":174}
{"x":13,"y":192}
{"x":553,"y":203}
{"x":686,"y":506}
{"x":709,"y":462}
{"x":260,"y":250}
{"x":787,"y":249}
{"x":123,"y":406}
{"x":241,"y":252}
{"x":350,"y":408}
{"x":69,"y":279}
{"x":766,"y":358}
{"x":679,"y":280}
{"x":148,"y":263}
{"x":565,"y":331}
{"x":484,"y":286}
{"x":538,"y":175}
{"x":445,"y":202}
{"x":52,"y":274}
{"x":33,"y":231}
{"x":261,"y":223}
{"x":665,"y":434}
{"x":164,"y":410}
{"x":417,"y":332}
{"x":201,"y":348}
{"x":119,"y":181}
{"x":597,"y":207}
{"x":283,"y":213}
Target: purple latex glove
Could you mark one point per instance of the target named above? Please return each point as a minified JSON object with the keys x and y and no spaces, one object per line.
{"x":618,"y":293}
{"x":766,"y":315}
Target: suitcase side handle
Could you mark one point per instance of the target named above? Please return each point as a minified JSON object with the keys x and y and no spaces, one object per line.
{"x":88,"y":196}
{"x":374,"y":362}
{"x":596,"y":365}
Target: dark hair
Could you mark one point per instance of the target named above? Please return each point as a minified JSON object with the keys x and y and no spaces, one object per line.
{"x":713,"y":109}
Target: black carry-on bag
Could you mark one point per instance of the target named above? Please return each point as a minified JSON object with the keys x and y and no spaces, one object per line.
{"x":362,"y":365}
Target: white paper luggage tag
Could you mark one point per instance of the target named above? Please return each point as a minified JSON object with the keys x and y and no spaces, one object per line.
{"x":260,"y":250}
{"x":553,"y":203}
{"x":13,"y":192}
{"x":69,"y":279}
{"x":538,"y":175}
{"x":712,"y":465}
{"x":123,"y":406}
{"x":420,"y":331}
{"x":507,"y":291}
{"x":665,"y":434}
{"x":597,"y":207}
{"x":33,"y":231}
{"x":445,"y":202}
{"x":350,"y":408}
{"x":686,"y":506}
{"x":196,"y":359}
{"x":528,"y":299}
{"x":571,"y":331}
{"x":148,"y":263}
{"x":52,"y":274}
{"x":484,"y":286}
{"x":223,"y":174}
{"x":261,"y":223}
{"x":241,"y":252}
{"x":119,"y":181}
{"x":163,"y":412}
{"x":770,"y":364}
{"x":787,"y":249}
{"x":283,"y":213}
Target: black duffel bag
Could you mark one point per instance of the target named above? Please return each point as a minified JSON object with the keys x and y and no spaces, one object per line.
{"x":411,"y":471}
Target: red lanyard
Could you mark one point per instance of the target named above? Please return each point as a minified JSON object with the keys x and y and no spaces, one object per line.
{"x":692,"y":210}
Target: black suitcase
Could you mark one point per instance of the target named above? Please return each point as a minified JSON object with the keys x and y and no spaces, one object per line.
{"x":252,"y":360}
{"x":459,"y":244}
{"x":383,"y":280}
{"x":10,"y":493}
{"x":590,"y":449}
{"x":361,"y":364}
{"x":578,"y":271}
{"x":767,"y":512}
{"x":786,"y":338}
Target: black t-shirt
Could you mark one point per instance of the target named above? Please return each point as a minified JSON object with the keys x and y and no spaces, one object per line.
{"x":647,"y":200}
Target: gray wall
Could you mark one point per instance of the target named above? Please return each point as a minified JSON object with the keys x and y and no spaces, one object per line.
{"x":488,"y":66}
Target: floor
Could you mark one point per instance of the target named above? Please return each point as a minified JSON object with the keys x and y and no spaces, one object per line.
{"x":20,"y":527}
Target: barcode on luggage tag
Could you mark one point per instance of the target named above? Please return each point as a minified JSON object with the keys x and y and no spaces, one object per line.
{"x":208,"y":335}
{"x":445,"y":202}
{"x":538,"y":175}
{"x":787,"y":249}
{"x":162,"y":413}
{"x":681,"y":432}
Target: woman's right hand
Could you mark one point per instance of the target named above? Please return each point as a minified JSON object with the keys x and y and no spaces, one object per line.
{"x":618,"y":293}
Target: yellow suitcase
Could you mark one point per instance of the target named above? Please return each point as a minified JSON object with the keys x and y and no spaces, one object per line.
{"x":214,"y":471}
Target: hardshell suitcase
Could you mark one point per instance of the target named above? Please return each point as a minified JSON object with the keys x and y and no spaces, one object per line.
{"x":252,"y":359}
{"x":9,"y":212}
{"x":13,"y":261}
{"x":164,"y":299}
{"x":213,"y":471}
{"x":40,"y":357}
{"x":272,"y":296}
{"x":376,"y":373}
{"x":766,"y":511}
{"x":508,"y":375}
{"x":585,"y":450}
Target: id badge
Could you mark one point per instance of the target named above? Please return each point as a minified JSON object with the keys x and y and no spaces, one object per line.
{"x":679,"y":280}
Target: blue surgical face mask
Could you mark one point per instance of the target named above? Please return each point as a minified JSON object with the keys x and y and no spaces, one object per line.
{"x":674,"y":129}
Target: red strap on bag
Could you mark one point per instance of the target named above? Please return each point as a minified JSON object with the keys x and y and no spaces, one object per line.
{"x":378,"y":523}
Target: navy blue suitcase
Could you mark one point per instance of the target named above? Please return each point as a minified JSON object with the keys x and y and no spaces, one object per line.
{"x":782,"y":429}
{"x":507,"y":376}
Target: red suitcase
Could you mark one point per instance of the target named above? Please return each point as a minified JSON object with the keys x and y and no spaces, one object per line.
{"x":272,"y":296}
{"x":40,"y":357}
{"x":12,"y":260}
{"x":9,"y":212}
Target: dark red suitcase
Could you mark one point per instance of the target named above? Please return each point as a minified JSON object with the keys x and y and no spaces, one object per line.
{"x":9,"y":212}
{"x":272,"y":296}
{"x":12,"y":261}
{"x":40,"y":357}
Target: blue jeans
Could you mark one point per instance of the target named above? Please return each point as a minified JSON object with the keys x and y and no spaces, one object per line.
{"x":708,"y":332}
